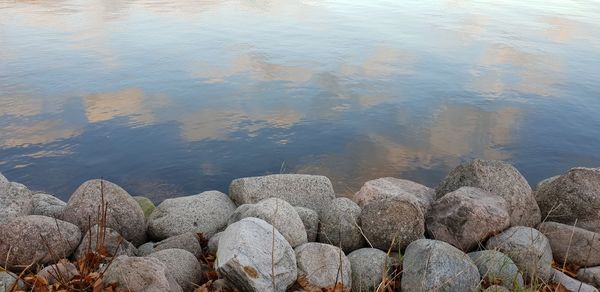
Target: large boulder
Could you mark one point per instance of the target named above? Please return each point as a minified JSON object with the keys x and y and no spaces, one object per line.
{"x":392,"y":223}
{"x":497,"y":268}
{"x":467,"y":217}
{"x":138,"y":274}
{"x":590,"y":276}
{"x":572,"y":244}
{"x":123,"y":215}
{"x":278,"y":213}
{"x":570,"y":283}
{"x":528,"y":248}
{"x":574,"y":197}
{"x":321,"y":265}
{"x":389,"y":187}
{"x":340,"y":225}
{"x":47,"y":205}
{"x":309,"y":191}
{"x":112,"y":243}
{"x":498,"y":178}
{"x":369,"y":265}
{"x":15,"y":200}
{"x":433,"y":265}
{"x":36,"y":239}
{"x":206,"y":212}
{"x":254,"y":256}
{"x":182,"y":265}
{"x":310,"y":219}
{"x":187,"y":241}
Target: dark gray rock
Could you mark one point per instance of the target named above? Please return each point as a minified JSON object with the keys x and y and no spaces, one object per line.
{"x":182,"y":265}
{"x":498,"y":178}
{"x":340,"y":225}
{"x":590,"y":276}
{"x":61,"y":272}
{"x":368,"y":267}
{"x":140,"y":274}
{"x":47,"y":205}
{"x":570,"y":283}
{"x":322,"y":264}
{"x":213,"y":243}
{"x":572,"y":244}
{"x":389,"y":187}
{"x":310,"y":219}
{"x":15,"y":200}
{"x":498,"y":268}
{"x":113,"y":242}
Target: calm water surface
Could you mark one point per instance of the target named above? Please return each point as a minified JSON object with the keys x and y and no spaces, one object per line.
{"x":176,"y":97}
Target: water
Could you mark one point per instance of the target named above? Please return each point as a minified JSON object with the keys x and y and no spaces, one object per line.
{"x":168,"y":98}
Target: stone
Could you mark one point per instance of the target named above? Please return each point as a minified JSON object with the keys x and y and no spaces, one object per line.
{"x":368,"y":267}
{"x":321,"y":265}
{"x":467,"y":217}
{"x":278,"y":213}
{"x":112,"y":241}
{"x":8,"y":279}
{"x":340,"y":225}
{"x":146,"y":205}
{"x":123,"y":215}
{"x":388,"y":187}
{"x":528,"y":248}
{"x":47,"y":205}
{"x":15,"y":200}
{"x":205,"y":213}
{"x":546,"y":181}
{"x":433,"y":265}
{"x":187,"y":241}
{"x":310,"y":219}
{"x":302,"y":190}
{"x":572,"y":244}
{"x":3,"y":179}
{"x":496,"y":267}
{"x":570,"y":283}
{"x":61,"y":272}
{"x":213,"y":243}
{"x":140,"y":274}
{"x":251,"y":251}
{"x":590,"y":276}
{"x":182,"y":265}
{"x":41,"y":235}
{"x":392,"y":224}
{"x":496,"y":288}
{"x":574,"y":197}
{"x":498,"y":178}
{"x":145,"y":249}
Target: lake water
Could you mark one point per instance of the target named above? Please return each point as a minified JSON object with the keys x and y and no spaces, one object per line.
{"x":168,"y":98}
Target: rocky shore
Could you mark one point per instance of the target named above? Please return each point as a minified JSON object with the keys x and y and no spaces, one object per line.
{"x":482,"y":228}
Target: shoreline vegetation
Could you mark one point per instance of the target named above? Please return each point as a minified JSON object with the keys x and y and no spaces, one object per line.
{"x":483,"y":228}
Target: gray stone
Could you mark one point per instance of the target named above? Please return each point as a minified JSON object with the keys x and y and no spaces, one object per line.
{"x":182,"y":265}
{"x":546,"y":181}
{"x":496,"y":267}
{"x":368,"y":267}
{"x":251,"y":252}
{"x":41,"y":235}
{"x":467,"y":217}
{"x":310,"y":219}
{"x":496,"y":288}
{"x":186,"y":241}
{"x":340,"y":225}
{"x":574,"y":197}
{"x":572,"y":244}
{"x":528,"y":248}
{"x":60,"y":272}
{"x":321,"y":265}
{"x":112,"y":242}
{"x":213,"y":243}
{"x":3,"y":179}
{"x":124,"y":215}
{"x":146,"y":204}
{"x":140,"y":275}
{"x":47,"y":205}
{"x":433,"y":265}
{"x":389,"y":187}
{"x":392,"y":223}
{"x":7,"y":279}
{"x":145,"y":249}
{"x":309,"y":191}
{"x":205,"y":213}
{"x":590,"y":276}
{"x":278,"y":213}
{"x":498,"y":178}
{"x":15,"y":200}
{"x":570,"y":283}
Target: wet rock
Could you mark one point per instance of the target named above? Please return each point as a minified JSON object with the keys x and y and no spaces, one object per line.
{"x":309,"y":191}
{"x":47,"y":205}
{"x":112,"y":241}
{"x":40,"y":234}
{"x":322,"y":264}
{"x":498,"y":178}
{"x":278,"y":213}
{"x":340,"y":225}
{"x":573,"y":244}
{"x":570,"y":283}
{"x":467,"y":217}
{"x":15,"y":200}
{"x":528,"y":248}
{"x":392,"y":223}
{"x":213,"y":243}
{"x":206,"y":213}
{"x":61,"y":272}
{"x":590,"y":276}
{"x":182,"y":265}
{"x":574,"y":196}
{"x":140,"y":274}
{"x":496,"y":267}
{"x":250,"y":250}
{"x":389,"y":187}
{"x":433,"y":265}
{"x":368,"y":267}
{"x":146,"y":205}
{"x":124,"y":215}
{"x":310,"y":219}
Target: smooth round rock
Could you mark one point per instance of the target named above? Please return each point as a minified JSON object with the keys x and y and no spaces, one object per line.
{"x":15,"y":200}
{"x":140,"y":274}
{"x":496,"y":267}
{"x":310,"y":219}
{"x":340,"y":225}
{"x":213,"y":243}
{"x":571,"y":284}
{"x":113,"y":243}
{"x":8,"y":279}
{"x":47,"y":205}
{"x":389,"y":187}
{"x":182,"y":265}
{"x":590,"y":276}
{"x":3,"y":179}
{"x":572,"y":244}
{"x":322,"y":264}
{"x":368,"y":267}
{"x":60,"y":272}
